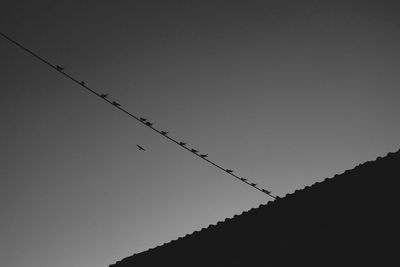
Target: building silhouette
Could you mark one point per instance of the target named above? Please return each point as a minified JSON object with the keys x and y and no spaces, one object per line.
{"x":348,"y":220}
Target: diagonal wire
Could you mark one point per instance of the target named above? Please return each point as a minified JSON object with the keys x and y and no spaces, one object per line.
{"x":139,"y":119}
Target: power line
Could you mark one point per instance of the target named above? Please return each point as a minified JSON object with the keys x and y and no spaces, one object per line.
{"x":142,"y":120}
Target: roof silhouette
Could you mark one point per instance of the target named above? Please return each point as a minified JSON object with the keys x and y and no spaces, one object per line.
{"x":350,"y":219}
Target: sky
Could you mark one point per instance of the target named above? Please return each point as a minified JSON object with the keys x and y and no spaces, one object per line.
{"x":285,"y":93}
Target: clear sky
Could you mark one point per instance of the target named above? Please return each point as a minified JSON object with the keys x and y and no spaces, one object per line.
{"x":286,"y":93}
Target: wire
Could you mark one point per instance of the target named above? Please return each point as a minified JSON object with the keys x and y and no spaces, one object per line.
{"x":143,"y":121}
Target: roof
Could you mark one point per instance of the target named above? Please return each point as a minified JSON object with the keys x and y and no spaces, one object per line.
{"x":350,"y":217}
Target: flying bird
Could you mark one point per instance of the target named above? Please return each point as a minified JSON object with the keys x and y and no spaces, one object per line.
{"x":194,"y":150}
{"x":204,"y":155}
{"x":182,"y":143}
{"x":104,"y":96}
{"x":229,"y":171}
{"x":164,"y":133}
{"x":141,"y":148}
{"x":116,"y":104}
{"x":59,"y":68}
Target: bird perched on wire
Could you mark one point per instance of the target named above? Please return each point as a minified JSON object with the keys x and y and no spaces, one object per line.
{"x":82,"y":83}
{"x":149,"y":124}
{"x":182,"y":143}
{"x":59,"y":68}
{"x":243,"y":179}
{"x":104,"y":96}
{"x":164,"y":132}
{"x":194,"y":150}
{"x":266,"y":191}
{"x":141,"y":148}
{"x":143,"y":119}
{"x":229,"y":171}
{"x":116,"y":104}
{"x":204,"y":155}
{"x":253,"y":184}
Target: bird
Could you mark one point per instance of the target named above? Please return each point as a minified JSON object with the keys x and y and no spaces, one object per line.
{"x":116,"y":104}
{"x":253,"y":184}
{"x":243,"y":179}
{"x":141,"y":148}
{"x":143,"y":119}
{"x":59,"y":68}
{"x":204,"y":155}
{"x":164,"y":133}
{"x":266,"y":191}
{"x":149,"y":124}
{"x":194,"y":150}
{"x":82,"y":83}
{"x":103,"y":96}
{"x":182,"y":143}
{"x":229,"y":171}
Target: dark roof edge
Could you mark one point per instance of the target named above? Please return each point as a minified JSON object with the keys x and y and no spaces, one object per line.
{"x":278,"y":199}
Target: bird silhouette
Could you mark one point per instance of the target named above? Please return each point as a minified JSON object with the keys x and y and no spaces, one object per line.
{"x":204,"y":155}
{"x":116,"y":104}
{"x":266,"y":191}
{"x":182,"y":143}
{"x":143,"y":119}
{"x":229,"y":171}
{"x":149,"y":124}
{"x":194,"y":150}
{"x":164,"y":133}
{"x":243,"y":179}
{"x":253,"y":184}
{"x":59,"y":68}
{"x":82,"y":83}
{"x":104,"y":96}
{"x":141,"y":148}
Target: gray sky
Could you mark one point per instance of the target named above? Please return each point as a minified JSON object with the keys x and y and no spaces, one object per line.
{"x":286,"y":93}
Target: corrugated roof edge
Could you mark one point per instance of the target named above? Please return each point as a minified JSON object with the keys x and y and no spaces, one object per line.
{"x":244,"y":213}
